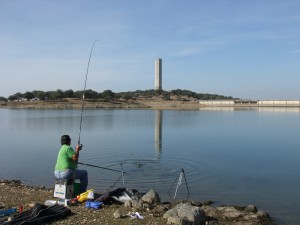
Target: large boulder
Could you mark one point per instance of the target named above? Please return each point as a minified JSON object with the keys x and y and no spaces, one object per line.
{"x":185,"y":214}
{"x":151,"y":197}
{"x":236,"y":215}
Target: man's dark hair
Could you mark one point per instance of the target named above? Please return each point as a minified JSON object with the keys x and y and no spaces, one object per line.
{"x":65,"y":139}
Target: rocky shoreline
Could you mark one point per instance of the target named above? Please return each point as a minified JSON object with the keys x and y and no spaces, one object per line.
{"x":73,"y":103}
{"x":13,"y":193}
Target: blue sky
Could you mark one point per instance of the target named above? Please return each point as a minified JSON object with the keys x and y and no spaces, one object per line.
{"x":244,"y":49}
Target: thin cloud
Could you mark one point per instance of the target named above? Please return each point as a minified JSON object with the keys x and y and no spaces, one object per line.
{"x":295,"y":51}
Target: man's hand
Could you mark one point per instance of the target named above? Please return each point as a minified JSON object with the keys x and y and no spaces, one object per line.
{"x":76,"y":156}
{"x":78,"y":147}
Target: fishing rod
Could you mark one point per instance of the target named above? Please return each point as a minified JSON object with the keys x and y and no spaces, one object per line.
{"x":86,"y":75}
{"x":85,"y":164}
{"x":83,"y":98}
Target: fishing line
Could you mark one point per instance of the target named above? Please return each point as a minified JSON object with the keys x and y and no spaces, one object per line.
{"x":100,"y":167}
{"x":111,"y":187}
{"x":83,"y":97}
{"x":116,"y":181}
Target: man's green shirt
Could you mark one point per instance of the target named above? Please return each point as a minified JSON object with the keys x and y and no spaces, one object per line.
{"x":64,"y":158}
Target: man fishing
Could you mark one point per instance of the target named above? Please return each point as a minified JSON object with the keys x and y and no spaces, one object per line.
{"x":67,"y":159}
{"x":66,"y":164}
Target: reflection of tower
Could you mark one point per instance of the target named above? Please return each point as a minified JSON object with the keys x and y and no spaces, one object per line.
{"x":158,"y":74}
{"x":158,"y":130}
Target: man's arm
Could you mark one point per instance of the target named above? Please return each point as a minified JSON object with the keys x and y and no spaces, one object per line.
{"x":76,"y":156}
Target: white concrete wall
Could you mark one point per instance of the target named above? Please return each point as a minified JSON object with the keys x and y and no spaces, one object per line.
{"x":217,"y":102}
{"x":279,"y":102}
{"x":259,"y":103}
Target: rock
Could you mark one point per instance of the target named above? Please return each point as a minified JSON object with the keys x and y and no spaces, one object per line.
{"x":117,"y":214}
{"x":159,"y":209}
{"x":209,"y":202}
{"x":195,"y":203}
{"x":230,"y":213}
{"x":251,"y":208}
{"x":174,"y":220}
{"x":235,"y":215}
{"x":151,"y":197}
{"x":137,"y":204}
{"x":263,"y":215}
{"x":31,"y":205}
{"x":128,"y":204}
{"x":210,"y":211}
{"x":185,"y":214}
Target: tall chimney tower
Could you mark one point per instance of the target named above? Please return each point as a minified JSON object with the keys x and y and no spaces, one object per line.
{"x":158,"y":74}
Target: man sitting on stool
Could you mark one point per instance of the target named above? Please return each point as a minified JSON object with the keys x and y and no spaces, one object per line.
{"x":67,"y":162}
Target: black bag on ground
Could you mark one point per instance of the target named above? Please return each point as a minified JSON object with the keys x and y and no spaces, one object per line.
{"x":106,"y":196}
{"x":40,"y":214}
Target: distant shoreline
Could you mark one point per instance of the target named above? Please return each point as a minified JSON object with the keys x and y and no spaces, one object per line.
{"x":156,"y":103}
{"x":152,"y":103}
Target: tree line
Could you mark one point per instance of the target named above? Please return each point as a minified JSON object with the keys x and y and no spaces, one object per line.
{"x":110,"y":95}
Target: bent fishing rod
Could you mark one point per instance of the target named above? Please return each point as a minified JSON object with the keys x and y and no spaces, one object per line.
{"x":83,"y":97}
{"x":86,"y":75}
{"x":82,"y":107}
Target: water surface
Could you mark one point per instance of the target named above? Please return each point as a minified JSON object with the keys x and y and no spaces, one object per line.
{"x":228,"y":156}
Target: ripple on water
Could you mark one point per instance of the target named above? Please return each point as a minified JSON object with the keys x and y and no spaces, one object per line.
{"x":161,"y":174}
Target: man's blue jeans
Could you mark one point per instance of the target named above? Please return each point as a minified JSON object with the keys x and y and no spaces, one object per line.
{"x":82,"y":175}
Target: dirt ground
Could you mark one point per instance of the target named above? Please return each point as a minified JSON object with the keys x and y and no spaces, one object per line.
{"x":15,"y":194}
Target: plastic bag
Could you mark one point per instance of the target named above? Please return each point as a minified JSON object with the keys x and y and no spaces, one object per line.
{"x":84,"y":196}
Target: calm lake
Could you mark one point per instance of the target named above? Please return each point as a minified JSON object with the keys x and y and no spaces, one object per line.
{"x":249,"y":156}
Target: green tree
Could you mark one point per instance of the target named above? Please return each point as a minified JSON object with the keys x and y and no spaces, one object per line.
{"x":3,"y":99}
{"x":16,"y":96}
{"x":39,"y":94}
{"x":59,"y":94}
{"x":28,"y":95}
{"x":90,"y":94}
{"x":12,"y":98}
{"x":52,"y":95}
{"x":127,"y":96}
{"x":78,"y":94}
{"x":108,"y":94}
{"x":68,"y":94}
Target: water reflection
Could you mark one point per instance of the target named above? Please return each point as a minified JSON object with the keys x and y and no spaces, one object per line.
{"x":158,"y":132}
